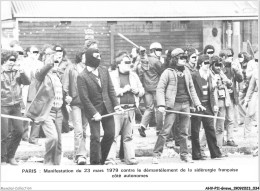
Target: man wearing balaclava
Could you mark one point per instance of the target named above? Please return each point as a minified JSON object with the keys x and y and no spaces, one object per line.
{"x":98,"y":98}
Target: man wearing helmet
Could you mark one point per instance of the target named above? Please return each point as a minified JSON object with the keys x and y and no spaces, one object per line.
{"x":149,"y":73}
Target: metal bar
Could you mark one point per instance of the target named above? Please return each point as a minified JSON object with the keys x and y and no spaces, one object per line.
{"x":15,"y":117}
{"x":196,"y":114}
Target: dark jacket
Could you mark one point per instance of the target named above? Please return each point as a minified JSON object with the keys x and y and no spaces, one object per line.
{"x":150,"y":72}
{"x":70,"y":84}
{"x":11,"y":91}
{"x":235,"y":76}
{"x":41,"y":105}
{"x":198,"y":87}
{"x":90,"y":91}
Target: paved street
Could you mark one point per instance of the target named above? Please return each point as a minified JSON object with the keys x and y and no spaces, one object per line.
{"x":239,"y":159}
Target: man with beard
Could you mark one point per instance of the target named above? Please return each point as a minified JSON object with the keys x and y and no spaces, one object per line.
{"x":98,"y":98}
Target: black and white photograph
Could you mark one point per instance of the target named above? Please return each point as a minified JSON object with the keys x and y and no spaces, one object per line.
{"x":129,"y":95}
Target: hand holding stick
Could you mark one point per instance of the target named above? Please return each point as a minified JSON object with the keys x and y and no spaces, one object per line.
{"x":114,"y":113}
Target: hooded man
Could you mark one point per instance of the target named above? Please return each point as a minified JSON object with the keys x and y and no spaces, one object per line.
{"x":98,"y":97}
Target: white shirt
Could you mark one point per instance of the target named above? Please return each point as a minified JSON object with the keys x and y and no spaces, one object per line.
{"x":95,"y":72}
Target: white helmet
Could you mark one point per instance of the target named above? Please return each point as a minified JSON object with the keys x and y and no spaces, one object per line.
{"x":155,"y":45}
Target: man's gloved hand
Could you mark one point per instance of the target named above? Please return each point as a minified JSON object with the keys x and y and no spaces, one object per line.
{"x":134,"y":90}
{"x":201,"y":108}
{"x":97,"y":117}
{"x":192,"y":109}
{"x":215,"y":109}
{"x":68,"y":99}
{"x":68,"y":108}
{"x":119,"y":110}
{"x":127,"y":88}
{"x":134,"y":52}
{"x":245,"y":105}
{"x":161,"y":109}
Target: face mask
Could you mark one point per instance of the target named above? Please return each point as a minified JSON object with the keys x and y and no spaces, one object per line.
{"x":94,"y":62}
{"x":91,"y":61}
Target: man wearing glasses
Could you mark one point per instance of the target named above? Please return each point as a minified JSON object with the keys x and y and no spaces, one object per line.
{"x":12,"y":77}
{"x":128,"y":89}
{"x":46,"y":107}
{"x":233,"y":72}
{"x":31,"y":64}
{"x":203,"y":84}
{"x":176,"y":92}
{"x":149,"y":73}
{"x":62,"y":62}
{"x":209,"y":50}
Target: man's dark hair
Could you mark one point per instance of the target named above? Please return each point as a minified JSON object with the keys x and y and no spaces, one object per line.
{"x":63,"y":50}
{"x":208,"y":47}
{"x":78,"y":57}
{"x":202,"y":58}
{"x":44,"y":48}
{"x":246,"y":56}
{"x":224,"y":53}
{"x":168,"y":59}
{"x":6,"y":54}
{"x":119,"y":57}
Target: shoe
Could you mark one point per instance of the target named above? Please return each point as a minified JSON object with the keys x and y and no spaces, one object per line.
{"x":141,"y":130}
{"x":255,"y":153}
{"x":35,"y":143}
{"x":81,"y":161}
{"x":224,"y":143}
{"x":220,"y":157}
{"x":25,"y":139}
{"x":201,"y":158}
{"x":231,"y":143}
{"x":177,"y":144}
{"x":187,"y":160}
{"x":133,"y":162}
{"x":155,"y":160}
{"x":12,"y":161}
{"x":110,"y":162}
{"x":157,"y":133}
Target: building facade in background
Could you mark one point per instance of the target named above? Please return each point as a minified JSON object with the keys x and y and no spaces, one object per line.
{"x":34,"y":23}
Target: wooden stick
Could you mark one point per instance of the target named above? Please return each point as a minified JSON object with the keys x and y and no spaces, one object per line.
{"x":114,"y":113}
{"x":128,"y":40}
{"x":196,"y":114}
{"x":15,"y":117}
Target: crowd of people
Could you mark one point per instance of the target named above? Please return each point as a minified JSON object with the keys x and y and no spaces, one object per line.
{"x":186,"y":90}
